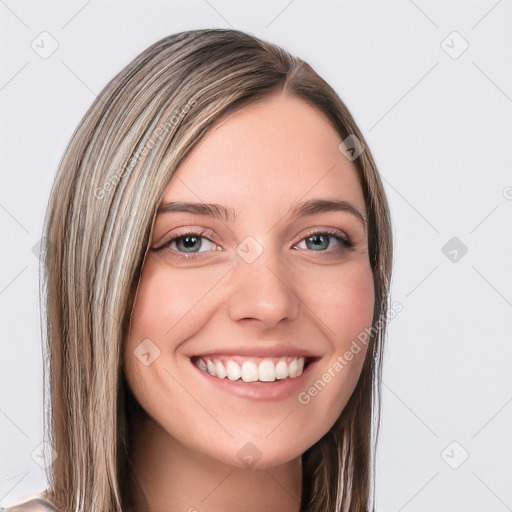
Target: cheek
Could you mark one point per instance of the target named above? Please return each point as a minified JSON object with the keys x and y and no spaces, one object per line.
{"x":168,"y":302}
{"x":344,"y":303}
{"x":169,"y":307}
{"x":160,"y":302}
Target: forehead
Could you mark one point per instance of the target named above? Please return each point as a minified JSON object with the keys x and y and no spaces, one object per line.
{"x":280,"y":150}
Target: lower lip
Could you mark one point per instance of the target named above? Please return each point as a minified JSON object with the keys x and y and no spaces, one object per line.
{"x":269,"y":391}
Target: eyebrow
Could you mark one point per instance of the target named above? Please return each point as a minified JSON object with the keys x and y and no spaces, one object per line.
{"x":218,"y":211}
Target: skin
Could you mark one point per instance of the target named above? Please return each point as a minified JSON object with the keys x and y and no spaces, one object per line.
{"x":261,"y":161}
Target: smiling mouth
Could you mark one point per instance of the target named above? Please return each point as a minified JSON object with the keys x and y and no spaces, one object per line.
{"x":253,"y":369}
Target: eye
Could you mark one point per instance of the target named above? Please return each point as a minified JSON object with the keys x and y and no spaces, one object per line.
{"x":186,"y":245}
{"x":320,"y":240}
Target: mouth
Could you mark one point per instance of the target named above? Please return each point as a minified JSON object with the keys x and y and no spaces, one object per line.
{"x":253,"y":369}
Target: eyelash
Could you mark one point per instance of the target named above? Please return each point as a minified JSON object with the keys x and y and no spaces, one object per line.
{"x":345,"y":242}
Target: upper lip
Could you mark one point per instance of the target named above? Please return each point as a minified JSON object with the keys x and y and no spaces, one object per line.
{"x":278,"y":350}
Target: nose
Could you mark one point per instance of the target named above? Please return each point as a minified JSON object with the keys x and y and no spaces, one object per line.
{"x":263,"y":290}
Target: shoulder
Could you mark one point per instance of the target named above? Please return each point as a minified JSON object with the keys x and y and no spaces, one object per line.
{"x":37,"y":504}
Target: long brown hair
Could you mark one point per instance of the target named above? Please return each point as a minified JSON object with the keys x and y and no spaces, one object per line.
{"x":97,"y":227}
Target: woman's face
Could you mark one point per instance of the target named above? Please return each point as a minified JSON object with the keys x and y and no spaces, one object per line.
{"x":255,"y":293}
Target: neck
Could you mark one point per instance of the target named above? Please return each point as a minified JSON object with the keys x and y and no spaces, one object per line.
{"x":171,"y":477}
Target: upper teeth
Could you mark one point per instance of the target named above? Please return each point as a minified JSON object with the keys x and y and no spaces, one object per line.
{"x":252,"y":369}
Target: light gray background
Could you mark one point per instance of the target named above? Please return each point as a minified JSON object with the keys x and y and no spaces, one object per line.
{"x":440,"y":127}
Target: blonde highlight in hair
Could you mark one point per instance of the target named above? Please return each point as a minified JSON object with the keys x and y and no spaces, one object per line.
{"x":98,"y":226}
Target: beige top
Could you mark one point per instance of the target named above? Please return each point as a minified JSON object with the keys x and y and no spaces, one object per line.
{"x":32,"y":505}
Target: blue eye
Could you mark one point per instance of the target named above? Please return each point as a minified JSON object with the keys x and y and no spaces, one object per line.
{"x":189,"y":242}
{"x":187,"y":245}
{"x":326,"y":236}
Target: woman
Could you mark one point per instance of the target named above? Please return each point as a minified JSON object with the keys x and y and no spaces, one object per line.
{"x":217,"y":274}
